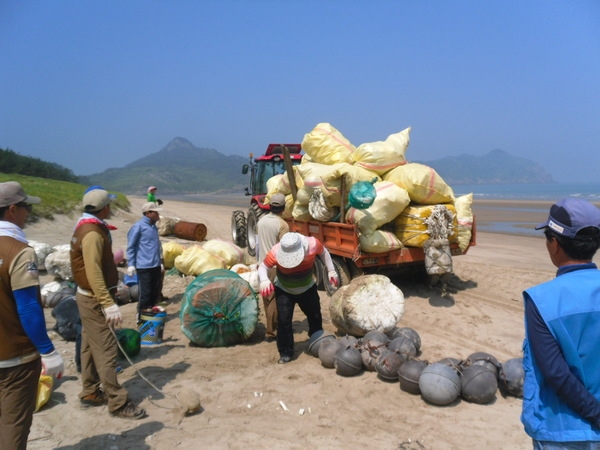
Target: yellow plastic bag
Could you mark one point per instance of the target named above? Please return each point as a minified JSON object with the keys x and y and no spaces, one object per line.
{"x":411,"y":229}
{"x":230,"y":253}
{"x":422,"y":182}
{"x":391,"y":200}
{"x":44,"y":392}
{"x":326,"y":145}
{"x":380,"y":242}
{"x":351,"y":174}
{"x":383,"y":156}
{"x":171,"y":250}
{"x":464,"y":213}
{"x":281,"y":183}
{"x":195,"y":260}
{"x":300,"y":212}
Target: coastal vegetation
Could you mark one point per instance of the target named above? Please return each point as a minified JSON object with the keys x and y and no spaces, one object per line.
{"x":58,"y":197}
{"x":12,"y":162}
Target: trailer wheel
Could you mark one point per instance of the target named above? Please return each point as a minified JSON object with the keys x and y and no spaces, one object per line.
{"x":355,"y":271}
{"x":238,"y":228}
{"x":254,"y":214}
{"x":318,"y":273}
{"x":343,"y":275}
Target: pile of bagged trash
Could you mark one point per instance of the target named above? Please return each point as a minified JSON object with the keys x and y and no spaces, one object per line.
{"x":407,"y":193}
{"x":198,"y":258}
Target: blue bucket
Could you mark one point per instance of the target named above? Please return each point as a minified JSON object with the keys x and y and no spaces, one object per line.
{"x":152,"y":327}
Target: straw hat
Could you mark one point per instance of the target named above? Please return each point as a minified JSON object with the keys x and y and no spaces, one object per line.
{"x":292,"y":248}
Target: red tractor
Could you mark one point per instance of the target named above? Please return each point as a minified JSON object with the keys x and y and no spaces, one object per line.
{"x":243,"y":227}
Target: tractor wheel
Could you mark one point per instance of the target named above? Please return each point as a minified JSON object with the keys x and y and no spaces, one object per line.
{"x":254,"y":214}
{"x":238,"y":228}
{"x":343,"y":275}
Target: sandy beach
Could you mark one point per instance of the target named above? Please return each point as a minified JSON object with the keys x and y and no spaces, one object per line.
{"x":249,"y":401}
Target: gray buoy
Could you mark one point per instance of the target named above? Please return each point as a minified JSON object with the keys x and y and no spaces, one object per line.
{"x":439,"y":384}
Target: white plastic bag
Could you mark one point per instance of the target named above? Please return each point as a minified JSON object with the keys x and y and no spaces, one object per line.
{"x":369,"y":302}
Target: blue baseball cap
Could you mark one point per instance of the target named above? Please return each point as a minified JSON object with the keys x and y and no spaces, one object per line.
{"x":570,"y":215}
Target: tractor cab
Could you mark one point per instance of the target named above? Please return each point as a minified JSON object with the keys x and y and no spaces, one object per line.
{"x":268,"y":165}
{"x":261,"y":168}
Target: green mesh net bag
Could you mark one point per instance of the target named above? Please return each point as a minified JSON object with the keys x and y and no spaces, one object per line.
{"x":219,"y":309}
{"x":362,"y":194}
{"x":129,"y":340}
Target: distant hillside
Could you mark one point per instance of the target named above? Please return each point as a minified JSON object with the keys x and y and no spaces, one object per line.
{"x":179,"y":168}
{"x":12,"y":162}
{"x":182,"y":168}
{"x":496,"y":167}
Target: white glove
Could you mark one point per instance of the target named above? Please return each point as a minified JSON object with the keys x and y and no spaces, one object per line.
{"x":333,"y":278}
{"x":162,"y":267}
{"x":266,"y":288}
{"x":53,"y":365}
{"x":131,"y":271}
{"x":113,"y":315}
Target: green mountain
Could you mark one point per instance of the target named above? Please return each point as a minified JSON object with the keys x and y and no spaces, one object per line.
{"x":182,"y":168}
{"x":495,"y":167}
{"x":179,"y":168}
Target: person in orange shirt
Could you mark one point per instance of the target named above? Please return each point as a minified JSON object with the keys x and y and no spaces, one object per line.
{"x":294,"y":257}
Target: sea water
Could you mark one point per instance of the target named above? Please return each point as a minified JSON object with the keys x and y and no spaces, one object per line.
{"x":533,"y":192}
{"x":541,"y":192}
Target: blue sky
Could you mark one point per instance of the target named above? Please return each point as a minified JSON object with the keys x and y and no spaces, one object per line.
{"x":97,"y":84}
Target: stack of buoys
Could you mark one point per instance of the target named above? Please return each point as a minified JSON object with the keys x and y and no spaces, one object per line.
{"x":394,"y":356}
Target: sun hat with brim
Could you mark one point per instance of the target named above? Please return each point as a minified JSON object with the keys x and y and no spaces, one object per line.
{"x":12,"y":193}
{"x":151,"y":188}
{"x":570,"y":215}
{"x":291,"y":250}
{"x":151,"y":206}
{"x":96,"y":199}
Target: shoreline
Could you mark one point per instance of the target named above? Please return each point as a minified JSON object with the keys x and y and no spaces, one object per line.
{"x":502,"y":216}
{"x":513,"y":217}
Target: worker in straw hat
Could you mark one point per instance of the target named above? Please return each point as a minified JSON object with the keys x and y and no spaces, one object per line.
{"x":294,"y":257}
{"x":271,"y":228}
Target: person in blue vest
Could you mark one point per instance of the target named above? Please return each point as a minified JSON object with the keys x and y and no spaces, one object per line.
{"x":561,"y":393}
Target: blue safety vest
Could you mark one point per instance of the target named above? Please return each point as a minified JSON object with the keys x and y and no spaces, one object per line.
{"x":570,"y":307}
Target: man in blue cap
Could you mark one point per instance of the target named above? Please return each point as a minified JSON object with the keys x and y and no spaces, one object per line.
{"x":561,"y":406}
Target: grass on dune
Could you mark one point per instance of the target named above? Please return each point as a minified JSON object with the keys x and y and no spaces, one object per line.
{"x":58,"y":197}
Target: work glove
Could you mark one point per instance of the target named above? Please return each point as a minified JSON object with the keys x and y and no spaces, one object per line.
{"x":162,"y":267}
{"x":53,"y":365}
{"x":131,"y":271}
{"x":266,"y":288}
{"x":113,"y":315}
{"x":332,"y":276}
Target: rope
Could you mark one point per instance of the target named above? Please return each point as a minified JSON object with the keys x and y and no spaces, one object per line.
{"x":440,"y":222}
{"x":134,"y":367}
